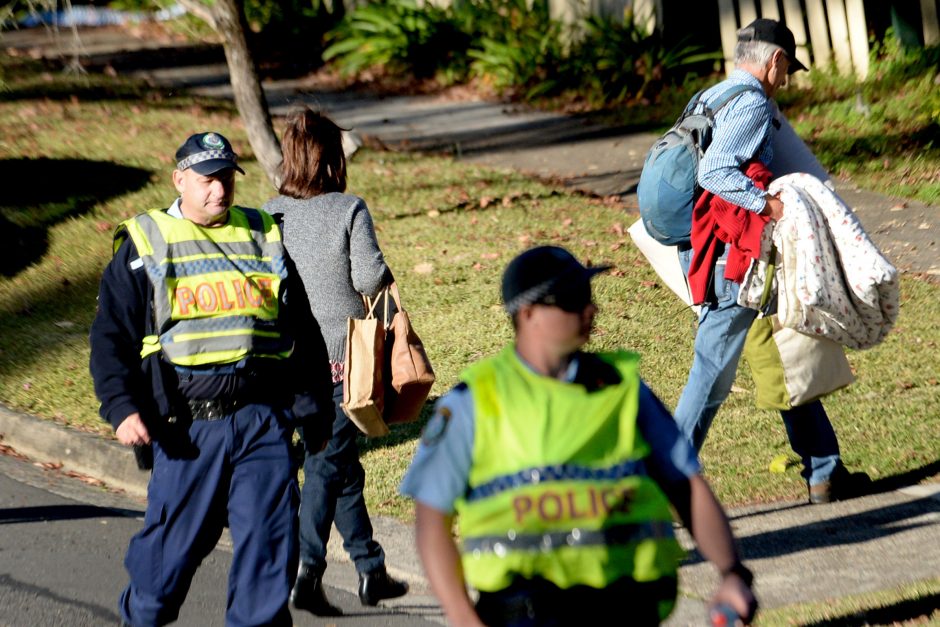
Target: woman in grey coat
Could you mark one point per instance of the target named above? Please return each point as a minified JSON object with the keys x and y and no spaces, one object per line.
{"x":331,"y":239}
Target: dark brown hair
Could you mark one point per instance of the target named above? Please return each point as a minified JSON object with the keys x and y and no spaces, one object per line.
{"x":313,"y":159}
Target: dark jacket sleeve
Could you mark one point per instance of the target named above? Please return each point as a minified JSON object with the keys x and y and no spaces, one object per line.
{"x":309,"y":368}
{"x":122,"y":384}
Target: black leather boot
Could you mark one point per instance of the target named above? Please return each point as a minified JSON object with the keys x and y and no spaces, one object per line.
{"x":308,"y":594}
{"x":377,"y":585}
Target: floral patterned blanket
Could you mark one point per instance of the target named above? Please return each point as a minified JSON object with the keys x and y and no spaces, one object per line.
{"x":831,"y":279}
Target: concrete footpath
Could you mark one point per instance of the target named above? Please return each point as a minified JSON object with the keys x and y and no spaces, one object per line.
{"x":799,"y":553}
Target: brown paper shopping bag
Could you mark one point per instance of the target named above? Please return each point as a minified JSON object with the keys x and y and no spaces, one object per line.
{"x":364,"y":378}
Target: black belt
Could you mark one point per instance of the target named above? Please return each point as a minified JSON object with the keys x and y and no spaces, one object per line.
{"x":542,"y":601}
{"x":214,"y":409}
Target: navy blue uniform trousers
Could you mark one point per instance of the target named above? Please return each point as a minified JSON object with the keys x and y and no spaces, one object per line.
{"x":237,"y":471}
{"x":333,"y":484}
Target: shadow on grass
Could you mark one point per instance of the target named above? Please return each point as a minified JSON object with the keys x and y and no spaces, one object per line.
{"x":62,"y":308}
{"x":47,"y":191}
{"x":896,"y":613}
{"x":473,"y":204}
{"x":904,"y":479}
{"x":118,"y":58}
{"x":400,"y":433}
{"x":76,"y":89}
{"x":885,"y":484}
{"x":863,"y":149}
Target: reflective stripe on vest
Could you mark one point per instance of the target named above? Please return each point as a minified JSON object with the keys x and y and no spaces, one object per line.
{"x":558,"y":484}
{"x":215,"y":289}
{"x":609,"y":536}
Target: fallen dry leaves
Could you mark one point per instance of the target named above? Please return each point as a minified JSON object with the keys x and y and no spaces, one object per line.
{"x":85,"y":478}
{"x":12,"y":452}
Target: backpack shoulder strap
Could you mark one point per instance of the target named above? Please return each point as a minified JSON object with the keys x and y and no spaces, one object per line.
{"x":730,"y":94}
{"x":693,"y":103}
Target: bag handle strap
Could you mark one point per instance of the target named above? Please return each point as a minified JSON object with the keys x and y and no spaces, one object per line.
{"x":396,"y":297}
{"x":386,"y":321}
{"x":769,"y":278}
{"x":390,"y":291}
{"x":385,"y":295}
{"x":391,"y":295}
{"x":370,"y":304}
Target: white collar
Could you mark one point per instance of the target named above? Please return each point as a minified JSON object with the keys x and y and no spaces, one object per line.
{"x":175,"y":210}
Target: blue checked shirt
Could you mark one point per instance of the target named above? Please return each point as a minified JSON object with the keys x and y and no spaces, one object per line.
{"x":743,"y":129}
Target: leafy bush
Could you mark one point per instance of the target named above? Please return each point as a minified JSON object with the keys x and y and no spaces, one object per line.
{"x":607,"y":57}
{"x":891,"y":61}
{"x":302,"y":19}
{"x":620,"y":60}
{"x":401,"y":37}
{"x":522,"y":48}
{"x":513,"y":45}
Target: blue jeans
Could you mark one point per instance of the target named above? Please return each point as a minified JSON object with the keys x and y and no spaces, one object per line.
{"x":722,"y":329}
{"x":332,"y":491}
{"x":237,"y":472}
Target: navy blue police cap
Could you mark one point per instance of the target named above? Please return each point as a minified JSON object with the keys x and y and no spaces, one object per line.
{"x":206,"y":154}
{"x":545,"y":274}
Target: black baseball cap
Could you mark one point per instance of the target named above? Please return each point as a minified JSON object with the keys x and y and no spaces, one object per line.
{"x":548,"y":275}
{"x":207,"y":153}
{"x":773,"y":32}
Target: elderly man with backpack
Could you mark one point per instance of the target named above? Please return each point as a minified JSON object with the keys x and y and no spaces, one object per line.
{"x":732,"y":126}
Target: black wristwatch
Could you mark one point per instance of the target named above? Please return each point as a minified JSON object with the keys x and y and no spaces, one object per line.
{"x":741,"y":571}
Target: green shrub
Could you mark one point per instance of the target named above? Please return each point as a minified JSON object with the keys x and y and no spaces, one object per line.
{"x":401,"y":37}
{"x":512,"y":45}
{"x":891,"y":62}
{"x":607,"y":57}
{"x":524,"y":50}
{"x":619,"y":60}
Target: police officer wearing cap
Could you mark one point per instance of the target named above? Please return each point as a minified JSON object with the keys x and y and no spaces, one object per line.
{"x":560,"y":467}
{"x":195,"y":353}
{"x":765,"y":55}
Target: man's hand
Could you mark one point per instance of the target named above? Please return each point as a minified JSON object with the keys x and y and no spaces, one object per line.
{"x":736,"y":594}
{"x":132,"y":431}
{"x":773,"y":208}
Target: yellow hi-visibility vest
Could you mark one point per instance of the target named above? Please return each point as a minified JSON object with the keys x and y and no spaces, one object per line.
{"x":558,"y":484}
{"x":215,"y":289}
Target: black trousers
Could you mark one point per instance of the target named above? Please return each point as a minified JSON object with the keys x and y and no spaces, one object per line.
{"x":537,"y":602}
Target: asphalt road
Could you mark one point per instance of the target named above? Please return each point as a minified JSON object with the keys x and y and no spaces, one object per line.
{"x":62,"y":546}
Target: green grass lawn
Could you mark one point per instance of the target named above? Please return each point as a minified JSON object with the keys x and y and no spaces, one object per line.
{"x":447,"y":229}
{"x":913,"y":604}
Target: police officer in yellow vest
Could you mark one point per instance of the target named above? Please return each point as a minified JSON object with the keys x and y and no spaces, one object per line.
{"x":560,"y":467}
{"x":195,"y":353}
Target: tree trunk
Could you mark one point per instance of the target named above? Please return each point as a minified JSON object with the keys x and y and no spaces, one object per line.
{"x":249,"y":98}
